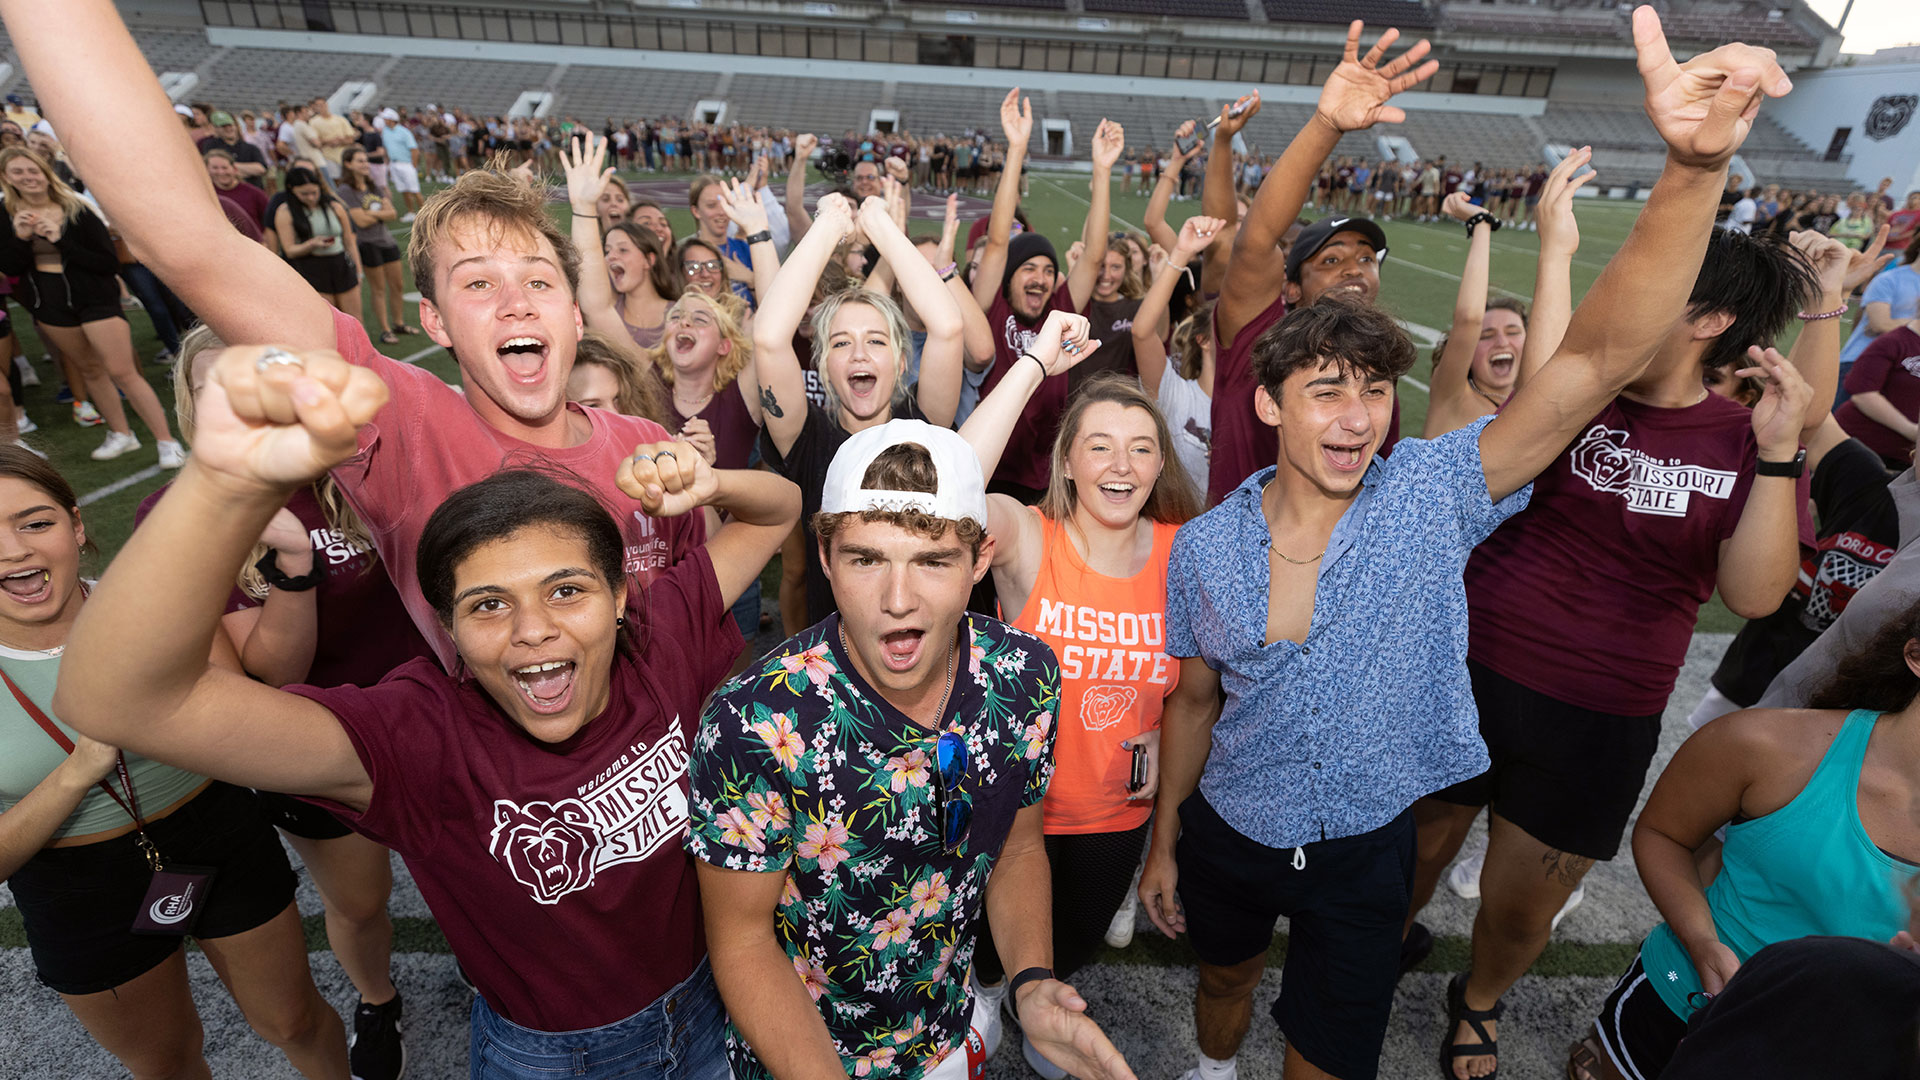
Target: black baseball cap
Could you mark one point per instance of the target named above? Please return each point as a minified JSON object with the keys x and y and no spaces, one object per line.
{"x":1320,"y":233}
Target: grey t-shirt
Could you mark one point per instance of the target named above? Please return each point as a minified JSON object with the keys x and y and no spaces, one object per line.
{"x":1890,"y":594}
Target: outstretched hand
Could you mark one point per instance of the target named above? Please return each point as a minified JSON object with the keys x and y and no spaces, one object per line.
{"x":279,"y":425}
{"x":583,"y":161}
{"x":1781,"y":412}
{"x":1053,"y":1016}
{"x":1109,"y":139}
{"x":1559,"y":232}
{"x":1356,"y":94}
{"x":668,"y":478}
{"x":744,"y":208}
{"x":1016,"y":119}
{"x":1705,"y":107}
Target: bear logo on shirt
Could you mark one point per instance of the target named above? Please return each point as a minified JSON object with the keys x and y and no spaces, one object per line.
{"x":548,"y":847}
{"x":1101,"y":707}
{"x":1661,"y":487}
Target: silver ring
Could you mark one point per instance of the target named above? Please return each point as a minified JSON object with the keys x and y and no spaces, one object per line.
{"x":643,"y":457}
{"x":274,"y":356}
{"x":667,"y":453}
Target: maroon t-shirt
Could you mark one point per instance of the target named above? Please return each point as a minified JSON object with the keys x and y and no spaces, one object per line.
{"x":1028,"y":458}
{"x":1889,"y":367}
{"x":555,"y":871}
{"x":1589,"y":595}
{"x":1243,"y":444}
{"x":364,"y":629}
{"x":733,"y":428}
{"x":249,"y":198}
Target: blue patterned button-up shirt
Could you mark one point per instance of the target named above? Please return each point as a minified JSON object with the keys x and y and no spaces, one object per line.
{"x":1337,"y":735}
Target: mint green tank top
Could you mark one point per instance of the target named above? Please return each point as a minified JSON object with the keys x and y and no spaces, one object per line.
{"x":1807,"y":868}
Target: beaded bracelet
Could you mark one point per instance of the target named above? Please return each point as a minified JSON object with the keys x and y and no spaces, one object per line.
{"x":1492,"y":223}
{"x":946,"y":272}
{"x":1841,"y":310}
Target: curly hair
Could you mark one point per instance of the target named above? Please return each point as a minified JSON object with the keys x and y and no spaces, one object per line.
{"x":728,"y":312}
{"x":1354,"y":336}
{"x":1878,"y":674}
{"x":904,"y":467}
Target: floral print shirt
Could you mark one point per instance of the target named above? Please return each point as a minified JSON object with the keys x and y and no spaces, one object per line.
{"x":801,"y":768}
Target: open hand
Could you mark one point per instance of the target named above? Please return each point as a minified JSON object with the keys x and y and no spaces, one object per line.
{"x":1703,"y":108}
{"x":1053,"y":1016}
{"x":668,"y":478}
{"x":744,"y":208}
{"x":1016,"y":119}
{"x":1109,"y":139}
{"x":285,"y":425}
{"x":583,"y":161}
{"x":1559,"y":231}
{"x":1356,"y":94}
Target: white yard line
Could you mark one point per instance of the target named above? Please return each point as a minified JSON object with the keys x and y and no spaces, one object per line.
{"x":1082,"y":200}
{"x":119,"y":485}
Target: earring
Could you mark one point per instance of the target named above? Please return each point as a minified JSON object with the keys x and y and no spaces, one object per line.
{"x":620,"y":622}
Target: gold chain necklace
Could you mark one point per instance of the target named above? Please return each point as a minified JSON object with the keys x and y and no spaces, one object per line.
{"x":1294,"y":561}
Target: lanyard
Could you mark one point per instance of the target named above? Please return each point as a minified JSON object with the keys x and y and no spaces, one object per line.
{"x":130,"y":804}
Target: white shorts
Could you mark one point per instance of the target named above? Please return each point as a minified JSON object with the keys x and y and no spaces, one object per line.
{"x":403,"y":177}
{"x":379,"y":174}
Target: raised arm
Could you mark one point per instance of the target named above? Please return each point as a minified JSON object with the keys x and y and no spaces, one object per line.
{"x":1016,"y":122}
{"x":1449,"y":401}
{"x":1760,"y":561}
{"x":797,"y":220}
{"x":583,"y":162}
{"x":1163,"y":186}
{"x":1149,"y":349}
{"x":1839,"y":270}
{"x":1219,"y":196}
{"x":749,"y":214}
{"x":123,"y":136}
{"x":259,"y":435}
{"x":975,"y":335}
{"x":1553,"y":271}
{"x":941,"y":356}
{"x":1108,"y":140}
{"x":1353,"y":99}
{"x":277,"y":640}
{"x":783,"y":383}
{"x":1703,"y":109}
{"x":1061,"y":343}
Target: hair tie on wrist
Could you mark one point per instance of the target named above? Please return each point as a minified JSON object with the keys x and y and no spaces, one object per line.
{"x":595,"y":217}
{"x":1816,"y":317}
{"x":1044,"y":374}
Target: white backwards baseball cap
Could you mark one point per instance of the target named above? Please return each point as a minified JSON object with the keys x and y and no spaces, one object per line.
{"x":962,"y":489}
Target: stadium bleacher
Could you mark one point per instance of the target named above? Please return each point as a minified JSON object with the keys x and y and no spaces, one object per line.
{"x":819,"y":105}
{"x":482,"y":88}
{"x":1176,"y":9}
{"x":594,"y":93}
{"x":256,"y":78}
{"x":1405,"y":14}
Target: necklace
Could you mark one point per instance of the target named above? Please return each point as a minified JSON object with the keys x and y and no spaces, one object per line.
{"x":1294,"y":561}
{"x":690,"y":408}
{"x":1496,"y":402}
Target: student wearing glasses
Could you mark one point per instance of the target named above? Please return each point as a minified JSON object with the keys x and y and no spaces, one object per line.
{"x":869,"y":790}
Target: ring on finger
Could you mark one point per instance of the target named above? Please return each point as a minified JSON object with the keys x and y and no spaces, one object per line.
{"x":276,"y":357}
{"x":642,"y":457}
{"x":667,"y":453}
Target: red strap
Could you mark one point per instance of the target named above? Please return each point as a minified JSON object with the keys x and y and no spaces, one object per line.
{"x":128,"y":804}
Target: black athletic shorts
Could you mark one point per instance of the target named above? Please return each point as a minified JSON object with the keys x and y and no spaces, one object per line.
{"x":55,"y":301}
{"x":330,"y":275}
{"x":1347,"y":905}
{"x":1637,"y":1029}
{"x":78,"y":903}
{"x":302,"y":819}
{"x":372,"y":255}
{"x":1569,"y":776}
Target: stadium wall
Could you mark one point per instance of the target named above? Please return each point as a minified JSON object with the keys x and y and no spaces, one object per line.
{"x":789,"y":67}
{"x":1877,"y":103}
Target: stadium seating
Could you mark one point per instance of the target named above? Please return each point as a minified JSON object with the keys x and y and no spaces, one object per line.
{"x":1405,"y":14}
{"x":174,"y":50}
{"x":1174,"y":9}
{"x":596,"y":93}
{"x":1043,"y":5}
{"x":484,"y":89}
{"x":951,"y":110}
{"x":829,"y":106}
{"x":256,"y":78}
{"x":1150,"y":121}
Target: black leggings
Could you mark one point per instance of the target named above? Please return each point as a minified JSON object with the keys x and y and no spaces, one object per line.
{"x":1091,"y":874}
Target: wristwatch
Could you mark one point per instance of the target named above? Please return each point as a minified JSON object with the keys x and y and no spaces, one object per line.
{"x":1027,"y":975}
{"x":269,"y":567}
{"x":761,"y":237}
{"x":1793,"y":468}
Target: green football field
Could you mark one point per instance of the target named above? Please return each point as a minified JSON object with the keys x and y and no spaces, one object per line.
{"x":1418,"y":283}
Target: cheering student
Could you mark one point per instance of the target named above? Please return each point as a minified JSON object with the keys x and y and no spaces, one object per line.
{"x":872,"y":788}
{"x":1477,"y":364}
{"x":79,"y":819}
{"x":860,"y":349}
{"x":607,"y":374}
{"x":66,"y":260}
{"x":313,"y":230}
{"x":1017,"y":281}
{"x":626,"y":280}
{"x":1178,"y":374}
{"x":1820,"y":840}
{"x":497,"y":282}
{"x":1319,"y":827}
{"x":539,"y":796}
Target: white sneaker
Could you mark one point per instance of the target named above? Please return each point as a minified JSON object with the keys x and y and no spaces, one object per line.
{"x":116,"y":443}
{"x":986,"y":1015}
{"x":1573,"y":901}
{"x":172,"y":454}
{"x":22,"y":444}
{"x":409,"y":216}
{"x":1464,"y":878}
{"x":24,"y":425}
{"x":1120,"y":930}
{"x":1038,"y":1063}
{"x":28,"y":376}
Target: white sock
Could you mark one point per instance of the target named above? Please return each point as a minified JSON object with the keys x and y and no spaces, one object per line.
{"x":1217,"y":1070}
{"x":992,"y":994}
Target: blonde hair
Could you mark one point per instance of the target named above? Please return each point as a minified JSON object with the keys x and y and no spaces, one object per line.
{"x":340,"y":516}
{"x":898,"y":336}
{"x":71,"y":204}
{"x":504,"y":204}
{"x":729,"y":313}
{"x":1172,"y":500}
{"x":639,"y":390}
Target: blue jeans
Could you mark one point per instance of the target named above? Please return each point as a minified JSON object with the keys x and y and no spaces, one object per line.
{"x":678,"y":1037}
{"x":170,"y":316}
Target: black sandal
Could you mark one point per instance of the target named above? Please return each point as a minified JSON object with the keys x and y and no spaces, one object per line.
{"x":1415,"y":947}
{"x":1476,"y":1021}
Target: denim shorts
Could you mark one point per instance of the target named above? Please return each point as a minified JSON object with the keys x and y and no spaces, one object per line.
{"x":681,"y":1036}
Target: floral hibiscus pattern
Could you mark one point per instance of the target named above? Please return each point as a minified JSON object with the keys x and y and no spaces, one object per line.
{"x":800,"y":768}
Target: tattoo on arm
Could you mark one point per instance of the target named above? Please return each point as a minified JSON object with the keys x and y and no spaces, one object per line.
{"x":1565,"y":867}
{"x":770,"y":404}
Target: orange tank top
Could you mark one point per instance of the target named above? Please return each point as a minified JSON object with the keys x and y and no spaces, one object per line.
{"x":1110,"y":637}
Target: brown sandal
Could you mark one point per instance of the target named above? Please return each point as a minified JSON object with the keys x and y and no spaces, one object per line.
{"x":1587,"y":1061}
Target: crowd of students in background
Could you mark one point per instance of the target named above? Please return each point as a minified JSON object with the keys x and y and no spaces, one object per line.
{"x":1108,"y":579}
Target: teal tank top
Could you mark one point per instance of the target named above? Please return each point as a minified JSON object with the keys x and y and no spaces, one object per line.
{"x":1807,"y":868}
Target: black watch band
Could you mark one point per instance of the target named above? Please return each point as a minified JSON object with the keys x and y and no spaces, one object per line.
{"x":1793,"y":468}
{"x":762,"y":237}
{"x":1492,"y":223}
{"x":269,"y":567}
{"x":1027,"y":975}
